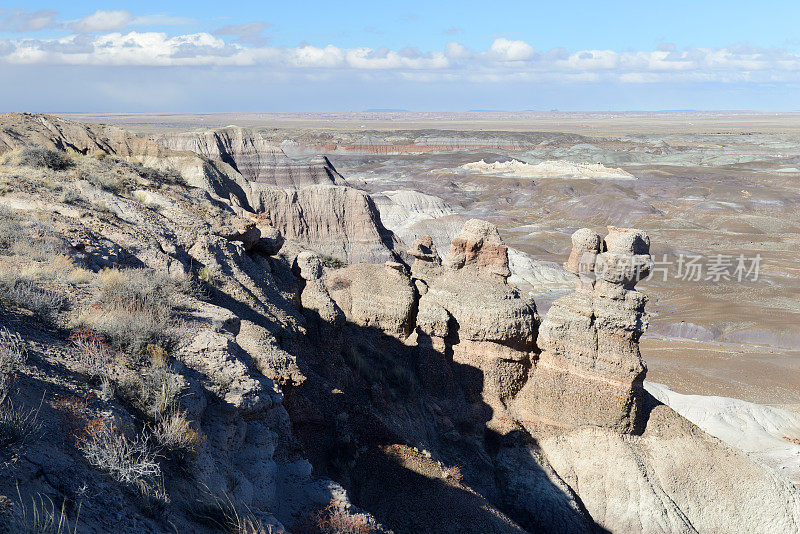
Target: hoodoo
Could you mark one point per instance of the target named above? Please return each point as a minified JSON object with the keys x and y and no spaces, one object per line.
{"x":590,"y":371}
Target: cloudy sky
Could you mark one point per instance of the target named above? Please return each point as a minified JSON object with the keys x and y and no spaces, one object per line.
{"x":353,"y":56}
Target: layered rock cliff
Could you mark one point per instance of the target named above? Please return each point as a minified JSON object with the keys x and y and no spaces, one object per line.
{"x":256,"y":158}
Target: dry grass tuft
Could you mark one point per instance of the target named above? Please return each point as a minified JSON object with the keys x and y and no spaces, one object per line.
{"x":12,"y":356}
{"x":176,"y":434}
{"x":12,"y":352}
{"x":132,"y":309}
{"x":42,"y":517}
{"x":18,"y":428}
{"x":223,"y":514}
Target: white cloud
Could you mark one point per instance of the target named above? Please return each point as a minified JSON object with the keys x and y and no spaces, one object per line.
{"x":311,"y":56}
{"x":456,"y":50}
{"x":505,"y":49}
{"x":102,"y":20}
{"x":19,"y":20}
{"x":504,"y":60}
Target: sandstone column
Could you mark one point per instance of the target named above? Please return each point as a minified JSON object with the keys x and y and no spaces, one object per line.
{"x":590,"y":371}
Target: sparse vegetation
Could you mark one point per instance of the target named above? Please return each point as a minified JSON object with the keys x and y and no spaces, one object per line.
{"x":331,"y":262}
{"x":333,"y":520}
{"x":177,"y":435}
{"x":129,"y":461}
{"x":59,"y":268}
{"x":18,"y":427}
{"x":34,"y":156}
{"x":154,"y":391}
{"x":120,"y":177}
{"x":92,"y":355}
{"x":28,"y":294}
{"x":12,"y":352}
{"x":222,"y":513}
{"x":133,"y":308}
{"x":206,"y":275}
{"x":453,"y":472}
{"x":42,"y":517}
{"x":31,"y":238}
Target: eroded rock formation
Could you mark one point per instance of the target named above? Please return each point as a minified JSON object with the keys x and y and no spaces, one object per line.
{"x":590,"y":371}
{"x":469,"y":313}
{"x":335,"y":221}
{"x":256,"y":158}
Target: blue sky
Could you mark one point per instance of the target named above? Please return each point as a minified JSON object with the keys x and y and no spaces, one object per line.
{"x":351,"y":56}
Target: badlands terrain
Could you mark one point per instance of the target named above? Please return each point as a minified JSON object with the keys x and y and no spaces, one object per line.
{"x":699,"y":183}
{"x":474,"y":322}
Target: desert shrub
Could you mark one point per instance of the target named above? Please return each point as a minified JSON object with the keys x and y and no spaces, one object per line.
{"x":11,"y":228}
{"x":331,"y":262}
{"x":12,"y":356}
{"x":206,"y":275}
{"x":142,"y":198}
{"x":26,"y":293}
{"x":18,"y":427}
{"x":154,"y":391}
{"x":41,"y":517}
{"x":33,"y":239}
{"x":35,"y":156}
{"x":335,"y":283}
{"x":129,"y":461}
{"x":92,"y":355}
{"x":12,"y":352}
{"x":118,"y":176}
{"x":132,"y":309}
{"x":177,"y":435}
{"x":333,"y":520}
{"x":60,"y":268}
{"x":166,"y":176}
{"x":454,"y":473}
{"x":108,"y":176}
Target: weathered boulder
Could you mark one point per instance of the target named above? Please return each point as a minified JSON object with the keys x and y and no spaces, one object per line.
{"x":270,"y":241}
{"x":239,"y":229}
{"x":427,"y":263}
{"x":315,"y":297}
